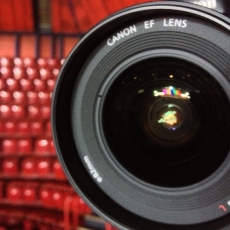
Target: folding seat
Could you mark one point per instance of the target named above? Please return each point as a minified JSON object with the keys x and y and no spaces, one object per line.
{"x":9,"y":146}
{"x":14,"y":192}
{"x":43,"y":167}
{"x":34,"y":112}
{"x":5,"y":112}
{"x":45,"y":112}
{"x":32,"y":97}
{"x":58,"y":199}
{"x":19,"y":97}
{"x":53,"y":63}
{"x":58,"y":171}
{"x":10,"y":166}
{"x":37,"y":128}
{"x":45,"y":196}
{"x":56,"y":72}
{"x":45,"y":74}
{"x":42,"y":146}
{"x":26,"y":85}
{"x":32,"y":73}
{"x":10,"y":127}
{"x":18,"y":62}
{"x":50,"y":85}
{"x":12,"y":84}
{"x":18,"y":111}
{"x":39,"y":85}
{"x":6,"y":72}
{"x":5,"y":97}
{"x":25,"y":146}
{"x":23,"y":127}
{"x":6,"y":61}
{"x":28,"y":167}
{"x":29,"y":62}
{"x":44,"y":98}
{"x":19,"y":72}
{"x":30,"y":193}
{"x":42,"y":62}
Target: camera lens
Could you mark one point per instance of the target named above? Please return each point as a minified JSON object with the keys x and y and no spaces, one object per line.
{"x":162,"y":119}
{"x":141,"y":118}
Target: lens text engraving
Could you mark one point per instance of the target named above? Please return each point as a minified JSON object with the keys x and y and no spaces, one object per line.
{"x":172,"y":22}
{"x":92,"y":170}
{"x":149,"y":24}
{"x":122,"y":34}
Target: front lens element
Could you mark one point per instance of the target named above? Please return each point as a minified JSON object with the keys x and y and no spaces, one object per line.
{"x":163,"y":120}
{"x":170,"y":117}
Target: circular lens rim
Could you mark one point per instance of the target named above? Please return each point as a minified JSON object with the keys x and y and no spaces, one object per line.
{"x":58,"y":116}
{"x":117,"y":72}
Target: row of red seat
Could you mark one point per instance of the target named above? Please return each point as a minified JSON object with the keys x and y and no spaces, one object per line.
{"x":25,"y":128}
{"x":31,"y":168}
{"x":50,"y":63}
{"x":46,"y":195}
{"x":26,"y":85}
{"x":22,"y":97}
{"x":20,"y":111}
{"x":28,"y":72}
{"x":27,"y":146}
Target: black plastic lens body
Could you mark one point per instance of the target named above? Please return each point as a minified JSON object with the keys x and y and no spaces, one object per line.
{"x":141,"y":118}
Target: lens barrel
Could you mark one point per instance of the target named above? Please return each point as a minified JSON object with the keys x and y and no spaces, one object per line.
{"x":141,"y":118}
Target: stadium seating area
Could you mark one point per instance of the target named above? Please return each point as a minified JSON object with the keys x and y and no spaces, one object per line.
{"x":34,"y":191}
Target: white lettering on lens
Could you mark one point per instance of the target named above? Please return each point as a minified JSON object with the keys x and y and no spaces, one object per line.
{"x":149,"y":24}
{"x":171,"y":22}
{"x":92,"y":170}
{"x":122,"y":34}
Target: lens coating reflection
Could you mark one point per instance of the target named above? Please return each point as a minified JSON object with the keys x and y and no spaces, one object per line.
{"x":164,"y":120}
{"x":170,"y":117}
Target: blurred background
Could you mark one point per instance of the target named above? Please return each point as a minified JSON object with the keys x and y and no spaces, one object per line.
{"x":35,"y":38}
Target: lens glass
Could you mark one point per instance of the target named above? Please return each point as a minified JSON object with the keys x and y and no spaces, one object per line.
{"x":164,"y":121}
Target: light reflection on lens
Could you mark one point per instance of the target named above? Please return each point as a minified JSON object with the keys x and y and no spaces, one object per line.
{"x":173,"y":92}
{"x":171,"y":117}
